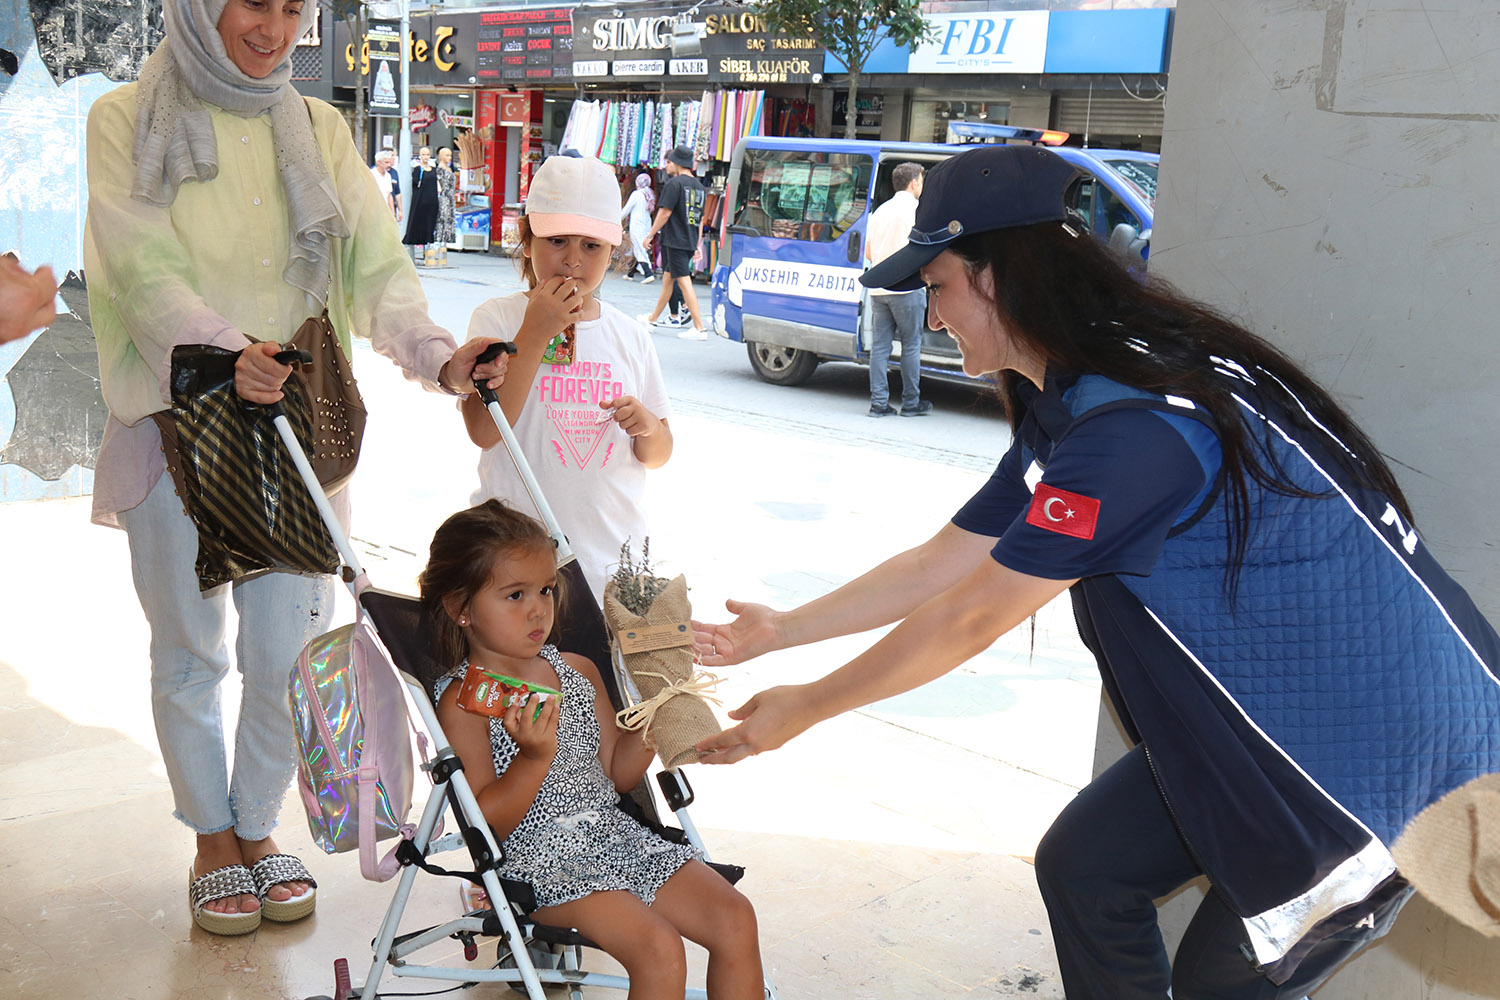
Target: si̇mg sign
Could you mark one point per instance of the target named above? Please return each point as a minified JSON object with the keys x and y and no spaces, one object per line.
{"x":983,"y":42}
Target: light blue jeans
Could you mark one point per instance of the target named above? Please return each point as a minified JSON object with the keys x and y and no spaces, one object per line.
{"x":278,"y":614}
{"x":902,"y":316}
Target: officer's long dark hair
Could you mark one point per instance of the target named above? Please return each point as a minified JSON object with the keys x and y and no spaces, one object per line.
{"x":1065,"y":299}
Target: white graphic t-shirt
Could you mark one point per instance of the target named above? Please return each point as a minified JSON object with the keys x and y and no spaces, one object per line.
{"x":582,"y":460}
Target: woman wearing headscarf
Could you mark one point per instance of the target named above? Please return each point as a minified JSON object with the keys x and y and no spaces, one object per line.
{"x":224,"y":210}
{"x":639,"y":208}
{"x":421,"y":221}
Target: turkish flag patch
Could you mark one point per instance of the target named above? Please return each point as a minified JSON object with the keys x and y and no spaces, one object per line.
{"x":1071,"y":514}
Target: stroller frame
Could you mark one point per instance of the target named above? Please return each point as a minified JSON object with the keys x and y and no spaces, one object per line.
{"x":391,"y":952}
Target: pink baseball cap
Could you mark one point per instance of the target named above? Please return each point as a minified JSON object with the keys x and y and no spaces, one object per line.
{"x":574,"y":196}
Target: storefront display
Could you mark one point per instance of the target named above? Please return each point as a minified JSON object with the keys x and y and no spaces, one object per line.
{"x":629,"y":133}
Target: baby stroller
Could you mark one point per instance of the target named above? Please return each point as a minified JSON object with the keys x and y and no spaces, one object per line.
{"x":528,"y":954}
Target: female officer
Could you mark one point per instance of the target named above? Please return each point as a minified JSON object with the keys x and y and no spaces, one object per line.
{"x":1299,"y":676}
{"x":223,"y":207}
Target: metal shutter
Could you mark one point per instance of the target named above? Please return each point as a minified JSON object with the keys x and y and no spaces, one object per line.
{"x":1109,"y":115}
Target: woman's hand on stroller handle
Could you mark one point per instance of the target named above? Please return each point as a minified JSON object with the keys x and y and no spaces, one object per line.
{"x":258,"y":376}
{"x":477,"y":365}
{"x":488,"y":372}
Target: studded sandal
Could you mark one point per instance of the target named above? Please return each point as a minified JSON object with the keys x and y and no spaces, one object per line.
{"x":274,"y":869}
{"x":222,"y":883}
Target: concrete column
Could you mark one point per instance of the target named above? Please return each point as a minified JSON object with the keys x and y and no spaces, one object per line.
{"x":893,"y":118}
{"x":1328,"y":176}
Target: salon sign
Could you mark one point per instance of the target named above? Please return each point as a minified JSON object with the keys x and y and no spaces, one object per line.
{"x":779,"y":277}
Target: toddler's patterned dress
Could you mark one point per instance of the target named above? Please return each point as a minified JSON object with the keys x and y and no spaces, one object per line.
{"x":573,"y":840}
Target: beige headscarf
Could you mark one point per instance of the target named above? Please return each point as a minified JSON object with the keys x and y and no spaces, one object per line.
{"x":174,"y":135}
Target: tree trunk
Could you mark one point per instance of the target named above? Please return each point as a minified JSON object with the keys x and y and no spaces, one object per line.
{"x":851,"y":112}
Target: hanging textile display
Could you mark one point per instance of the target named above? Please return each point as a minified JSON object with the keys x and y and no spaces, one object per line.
{"x":606,"y":151}
{"x":663,"y":136}
{"x":634,"y":133}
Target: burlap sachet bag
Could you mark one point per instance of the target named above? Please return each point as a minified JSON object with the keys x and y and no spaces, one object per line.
{"x":672,"y":709}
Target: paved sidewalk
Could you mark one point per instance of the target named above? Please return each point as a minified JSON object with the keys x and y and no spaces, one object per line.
{"x":888,"y":850}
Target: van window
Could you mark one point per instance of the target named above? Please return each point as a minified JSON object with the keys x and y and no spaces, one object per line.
{"x":1103,"y":208}
{"x":802,"y":194}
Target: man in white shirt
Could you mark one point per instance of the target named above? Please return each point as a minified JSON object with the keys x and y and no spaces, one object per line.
{"x":896,"y":314}
{"x":381,"y":171}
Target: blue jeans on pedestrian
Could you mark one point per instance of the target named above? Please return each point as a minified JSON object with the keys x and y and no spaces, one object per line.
{"x":900,"y":314}
{"x":277,"y":614}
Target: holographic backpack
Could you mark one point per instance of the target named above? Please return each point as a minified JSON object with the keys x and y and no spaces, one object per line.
{"x":355,"y":769}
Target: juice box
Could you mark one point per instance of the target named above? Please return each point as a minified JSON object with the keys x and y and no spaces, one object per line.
{"x":561,"y":351}
{"x":486,"y":693}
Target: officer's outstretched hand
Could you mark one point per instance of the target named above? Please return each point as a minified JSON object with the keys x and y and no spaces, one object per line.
{"x":754,"y":631}
{"x":767,"y":721}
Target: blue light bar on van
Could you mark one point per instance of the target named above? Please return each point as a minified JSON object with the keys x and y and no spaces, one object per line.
{"x":967,"y":132}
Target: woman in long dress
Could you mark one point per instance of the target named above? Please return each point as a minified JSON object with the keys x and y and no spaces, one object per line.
{"x":421,"y":220}
{"x":447,"y":190}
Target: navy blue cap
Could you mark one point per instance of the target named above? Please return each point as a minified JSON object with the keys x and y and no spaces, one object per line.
{"x":989,"y":187}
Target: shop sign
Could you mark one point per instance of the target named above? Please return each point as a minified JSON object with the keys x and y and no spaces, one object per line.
{"x":422,"y":116}
{"x":382,"y":51}
{"x":429,"y":49}
{"x":639,"y":67}
{"x":983,"y":42}
{"x":721,"y":44}
{"x":454,"y":121}
{"x":531,"y":45}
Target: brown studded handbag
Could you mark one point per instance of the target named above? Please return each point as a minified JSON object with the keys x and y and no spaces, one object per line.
{"x":338,"y":411}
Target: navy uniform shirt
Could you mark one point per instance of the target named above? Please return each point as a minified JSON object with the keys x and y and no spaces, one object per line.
{"x":1102,"y":499}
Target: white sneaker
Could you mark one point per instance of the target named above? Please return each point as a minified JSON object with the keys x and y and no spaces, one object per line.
{"x":645,"y":320}
{"x":693,"y":333}
{"x":648,"y":279}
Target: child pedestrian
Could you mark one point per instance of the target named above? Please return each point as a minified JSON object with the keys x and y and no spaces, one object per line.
{"x":584,"y":390}
{"x":558,"y":766}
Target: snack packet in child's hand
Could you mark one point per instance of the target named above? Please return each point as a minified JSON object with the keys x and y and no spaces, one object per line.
{"x":561,"y":350}
{"x":486,"y":693}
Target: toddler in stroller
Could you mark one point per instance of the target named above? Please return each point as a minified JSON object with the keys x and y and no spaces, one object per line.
{"x":548,"y":773}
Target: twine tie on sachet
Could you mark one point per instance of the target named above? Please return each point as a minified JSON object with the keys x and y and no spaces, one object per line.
{"x":639,"y":716}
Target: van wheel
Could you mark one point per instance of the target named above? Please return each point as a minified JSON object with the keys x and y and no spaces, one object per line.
{"x":781,"y":365}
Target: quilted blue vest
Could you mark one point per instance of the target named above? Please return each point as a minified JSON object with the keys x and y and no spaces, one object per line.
{"x":1297,"y":728}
